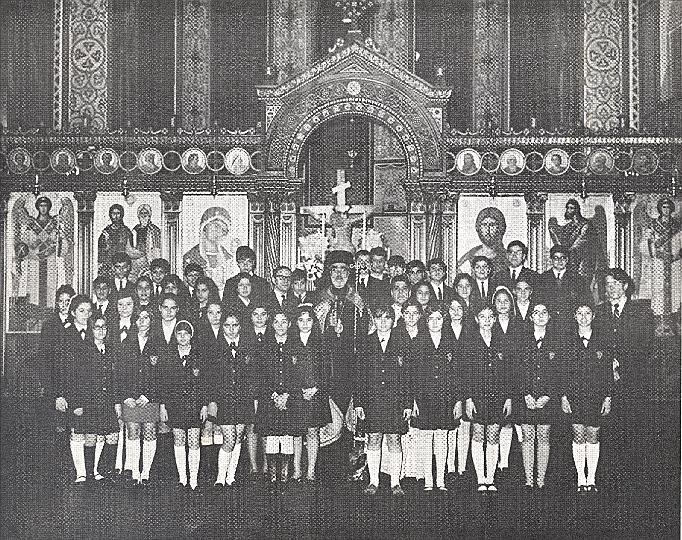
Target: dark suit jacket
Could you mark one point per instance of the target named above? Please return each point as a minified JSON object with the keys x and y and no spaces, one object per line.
{"x":503,"y":277}
{"x":448,"y":292}
{"x":260,"y":287}
{"x":272,"y":304}
{"x":562,"y":297}
{"x":115,"y":293}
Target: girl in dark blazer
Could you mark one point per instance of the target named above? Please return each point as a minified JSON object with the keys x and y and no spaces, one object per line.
{"x":383,"y":398}
{"x":585,"y":390}
{"x":459,"y":326}
{"x":230,"y":400}
{"x":312,"y":411}
{"x":488,"y":394}
{"x":436,"y":387}
{"x":185,"y":398}
{"x":139,"y":392}
{"x":205,"y":292}
{"x":523,"y":292}
{"x":208,"y":331}
{"x":541,"y":361}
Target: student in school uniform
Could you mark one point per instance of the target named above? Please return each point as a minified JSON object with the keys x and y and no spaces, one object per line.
{"x":541,"y":361}
{"x":312,"y":411}
{"x":230,"y":401}
{"x":120,"y":283}
{"x":122,"y":323}
{"x":205,"y":292}
{"x":383,"y":397}
{"x":162,"y":331}
{"x":464,"y":284}
{"x":185,"y":398}
{"x":101,"y":300}
{"x":459,"y":327}
{"x":139,"y":392}
{"x":585,"y":388}
{"x":299,"y":288}
{"x":437,"y":270}
{"x":488,"y":402}
{"x":436,"y":386}
{"x":240,"y":301}
{"x":523,"y":292}
{"x":172,"y":284}
{"x":423,"y":294}
{"x":278,"y":401}
{"x":143,"y":293}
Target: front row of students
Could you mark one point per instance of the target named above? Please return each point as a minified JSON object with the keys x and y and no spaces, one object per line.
{"x":435,"y":369}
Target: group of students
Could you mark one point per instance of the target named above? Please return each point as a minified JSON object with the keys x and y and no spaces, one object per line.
{"x":467,"y":366}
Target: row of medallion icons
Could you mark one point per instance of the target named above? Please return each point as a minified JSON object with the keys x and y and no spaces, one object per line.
{"x":557,"y":161}
{"x":236,"y":161}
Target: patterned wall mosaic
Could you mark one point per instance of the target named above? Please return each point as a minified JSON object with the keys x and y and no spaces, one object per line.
{"x":196,"y":65}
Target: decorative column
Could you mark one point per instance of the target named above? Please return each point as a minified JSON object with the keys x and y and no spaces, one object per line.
{"x":272,"y":229}
{"x":491,"y":64}
{"x":172,"y":204}
{"x":417,"y":222}
{"x":603,"y":94}
{"x":4,"y":210}
{"x":535,"y":210}
{"x":434,"y":225}
{"x":88,"y":57}
{"x":633,"y":64}
{"x":196,"y":65}
{"x":622,"y":211}
{"x":293,"y":41}
{"x":58,"y":66}
{"x":86,"y":215}
{"x":257,"y":229}
{"x":449,"y":221}
{"x":287,"y":232}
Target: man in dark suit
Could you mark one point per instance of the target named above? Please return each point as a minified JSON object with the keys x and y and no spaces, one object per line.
{"x":517,"y":253}
{"x":437,"y":272}
{"x":630,"y":326}
{"x":281,"y":297}
{"x":101,"y":301}
{"x":158,"y":270}
{"x":561,"y":290}
{"x":299,"y":288}
{"x":121,"y":284}
{"x":378,"y":284}
{"x":246,"y":261}
{"x":485,"y":287}
{"x":362,"y":271}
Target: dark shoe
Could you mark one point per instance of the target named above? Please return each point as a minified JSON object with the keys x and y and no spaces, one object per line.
{"x":371,"y":490}
{"x":397,"y":491}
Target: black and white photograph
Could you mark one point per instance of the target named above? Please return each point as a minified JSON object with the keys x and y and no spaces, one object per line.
{"x":340,"y":269}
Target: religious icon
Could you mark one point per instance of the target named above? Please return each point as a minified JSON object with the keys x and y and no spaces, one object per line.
{"x":128,"y":161}
{"x":43,"y":259}
{"x":556,"y":161}
{"x":106,"y":161}
{"x":237,"y":161}
{"x":63,"y":161}
{"x":41,"y":161}
{"x":491,"y":226}
{"x":601,"y":162}
{"x":490,"y":162}
{"x":114,"y":239}
{"x":150,"y":161}
{"x":468,"y":161}
{"x":623,"y":161}
{"x":172,"y":161}
{"x":644,"y":161}
{"x":19,"y":161}
{"x":512,"y":161}
{"x":193,"y":160}
{"x":534,"y":161}
{"x":216,"y":249}
{"x":215,"y":160}
{"x":578,"y":162}
{"x":145,"y":243}
{"x":667,"y":161}
{"x":85,"y":160}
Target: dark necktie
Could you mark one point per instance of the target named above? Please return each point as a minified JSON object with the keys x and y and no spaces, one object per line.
{"x":233,"y":346}
{"x":259,"y":337}
{"x":383,"y":344}
{"x":124,"y":332}
{"x":616,"y":311}
{"x":103,"y":350}
{"x":483,"y":295}
{"x":439,"y":295}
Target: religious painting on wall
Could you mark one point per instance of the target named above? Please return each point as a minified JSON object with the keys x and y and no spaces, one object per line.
{"x":657,"y":256}
{"x":389,"y":193}
{"x":486,"y":225}
{"x":129,"y":225}
{"x":587,"y":227}
{"x":212,"y":230}
{"x":40,"y":256}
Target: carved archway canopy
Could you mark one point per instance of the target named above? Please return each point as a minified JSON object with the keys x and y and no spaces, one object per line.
{"x":355,"y":80}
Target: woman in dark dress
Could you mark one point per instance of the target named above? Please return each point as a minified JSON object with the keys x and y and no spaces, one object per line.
{"x":208,"y":331}
{"x":312,"y":401}
{"x":488,"y":401}
{"x":139,"y":391}
{"x":523,"y":292}
{"x":383,"y":398}
{"x":586,"y":393}
{"x":541,"y":361}
{"x":459,"y":327}
{"x":230,"y":401}
{"x":278,"y":400}
{"x":185,"y":398}
{"x":508,"y":334}
{"x":436,"y":388}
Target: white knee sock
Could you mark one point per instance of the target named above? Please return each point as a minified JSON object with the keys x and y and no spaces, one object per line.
{"x":592,"y":456}
{"x":478,"y":459}
{"x":148,"y":453}
{"x":579,"y":461}
{"x":373,"y":464}
{"x":133,"y":452}
{"x":426,"y":455}
{"x":452,"y":449}
{"x":506,"y":435}
{"x":234,"y":462}
{"x":78,"y":456}
{"x":492,"y":452}
{"x":395,"y":462}
{"x":194,"y":458}
{"x":223,"y":462}
{"x":440,"y":449}
{"x":463,"y":437}
{"x":519,"y":432}
{"x":99,"y":446}
{"x":543,"y":460}
{"x":128,"y":466}
{"x":181,"y":463}
{"x":119,"y":450}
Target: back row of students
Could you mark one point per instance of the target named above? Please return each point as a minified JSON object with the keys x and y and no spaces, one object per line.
{"x":147,"y":364}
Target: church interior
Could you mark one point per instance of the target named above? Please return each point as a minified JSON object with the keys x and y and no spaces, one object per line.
{"x":300,"y":126}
